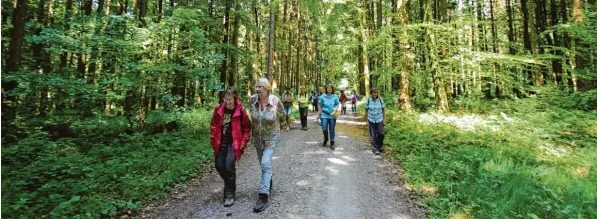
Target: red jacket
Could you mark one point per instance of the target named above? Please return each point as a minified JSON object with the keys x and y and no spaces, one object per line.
{"x":240,"y":132}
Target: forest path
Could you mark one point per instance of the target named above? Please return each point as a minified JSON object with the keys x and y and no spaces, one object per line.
{"x":310,"y":181}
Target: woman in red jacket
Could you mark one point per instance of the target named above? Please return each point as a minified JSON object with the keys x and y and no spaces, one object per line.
{"x":230,"y":133}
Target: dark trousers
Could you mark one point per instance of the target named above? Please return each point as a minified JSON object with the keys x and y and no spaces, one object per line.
{"x":225,"y":164}
{"x":304,"y":111}
{"x":376,"y":135}
{"x":315,"y":106}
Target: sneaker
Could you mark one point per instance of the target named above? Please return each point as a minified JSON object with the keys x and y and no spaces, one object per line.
{"x":287,"y":128}
{"x":376,"y":152}
{"x":261,"y":203}
{"x":228,"y":202}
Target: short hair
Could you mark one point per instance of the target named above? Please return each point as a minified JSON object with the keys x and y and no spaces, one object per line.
{"x":232,"y":91}
{"x":374,"y":90}
{"x":265,"y":83}
{"x":328,"y":86}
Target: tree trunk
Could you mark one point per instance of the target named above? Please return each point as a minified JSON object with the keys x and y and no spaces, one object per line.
{"x":225,"y":41}
{"x":234,"y":55}
{"x":567,"y":56}
{"x":17,"y":34}
{"x":67,"y":15}
{"x":407,"y":61}
{"x":556,"y":63}
{"x":270,"y":45}
{"x":365,"y":55}
{"x":142,"y":4}
{"x":298,"y":47}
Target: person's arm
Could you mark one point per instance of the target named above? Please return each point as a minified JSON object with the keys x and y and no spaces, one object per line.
{"x":319,"y":102}
{"x":367,"y":113}
{"x":281,"y":114}
{"x":246,"y":127}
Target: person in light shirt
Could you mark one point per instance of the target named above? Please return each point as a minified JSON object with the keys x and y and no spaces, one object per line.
{"x":329,"y":108}
{"x":375,"y":114}
{"x":268,"y":118}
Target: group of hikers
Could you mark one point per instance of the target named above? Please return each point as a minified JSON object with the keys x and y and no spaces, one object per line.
{"x":231,"y":128}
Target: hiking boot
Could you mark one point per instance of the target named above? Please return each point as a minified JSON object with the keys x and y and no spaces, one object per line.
{"x":261,"y":203}
{"x":228,"y":202}
{"x":332,"y":146}
{"x":325,"y":139}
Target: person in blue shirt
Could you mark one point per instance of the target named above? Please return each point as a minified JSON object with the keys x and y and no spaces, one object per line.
{"x":329,"y":108}
{"x":375,"y":114}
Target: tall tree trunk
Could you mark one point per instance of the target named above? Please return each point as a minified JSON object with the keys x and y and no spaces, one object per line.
{"x":511,"y":38}
{"x":403,"y":46}
{"x":142,"y":4}
{"x":270,"y":45}
{"x":556,"y":63}
{"x":526,"y":36}
{"x":234,"y":55}
{"x":567,"y":56}
{"x":67,"y":15}
{"x":17,"y":35}
{"x":298,"y":47}
{"x":225,"y":41}
{"x":364,"y":54}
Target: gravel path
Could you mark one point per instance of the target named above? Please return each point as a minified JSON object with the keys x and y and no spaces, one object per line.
{"x":309,"y":181}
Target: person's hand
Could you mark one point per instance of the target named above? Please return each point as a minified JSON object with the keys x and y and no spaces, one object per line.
{"x":242,"y":147}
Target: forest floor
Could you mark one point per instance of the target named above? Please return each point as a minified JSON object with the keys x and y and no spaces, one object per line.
{"x":310,"y":181}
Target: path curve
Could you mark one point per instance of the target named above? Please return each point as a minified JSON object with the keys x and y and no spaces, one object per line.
{"x":310,"y":181}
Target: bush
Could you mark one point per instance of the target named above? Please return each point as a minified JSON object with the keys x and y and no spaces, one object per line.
{"x":99,"y":175}
{"x":541,"y":166}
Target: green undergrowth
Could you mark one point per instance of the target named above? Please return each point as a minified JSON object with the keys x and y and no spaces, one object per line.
{"x":540,"y":163}
{"x":102,"y":171}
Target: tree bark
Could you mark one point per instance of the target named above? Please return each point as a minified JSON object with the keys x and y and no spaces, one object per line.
{"x":403,"y":46}
{"x":234,"y":54}
{"x":17,"y":34}
{"x":270,"y":45}
{"x":225,"y":41}
{"x":364,"y":54}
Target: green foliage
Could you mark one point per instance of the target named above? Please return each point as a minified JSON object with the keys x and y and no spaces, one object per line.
{"x":103,"y":171}
{"x":540,"y":163}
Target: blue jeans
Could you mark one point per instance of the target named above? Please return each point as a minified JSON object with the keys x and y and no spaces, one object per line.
{"x":265,"y":154}
{"x":288,"y":110}
{"x":329,"y":124}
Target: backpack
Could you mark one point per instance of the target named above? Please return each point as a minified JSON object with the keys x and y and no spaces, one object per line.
{"x":354,"y":98}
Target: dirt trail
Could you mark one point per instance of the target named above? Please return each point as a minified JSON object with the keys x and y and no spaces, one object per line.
{"x":310,"y":181}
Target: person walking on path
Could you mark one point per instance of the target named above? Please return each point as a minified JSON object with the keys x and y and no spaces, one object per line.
{"x":287,"y":98}
{"x":319,"y":94}
{"x":329,"y":105}
{"x":230,"y":133}
{"x":268,"y":118}
{"x":343,"y":101}
{"x":303,"y":101}
{"x":314,"y":100}
{"x":353,"y":100}
{"x":375,"y":114}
